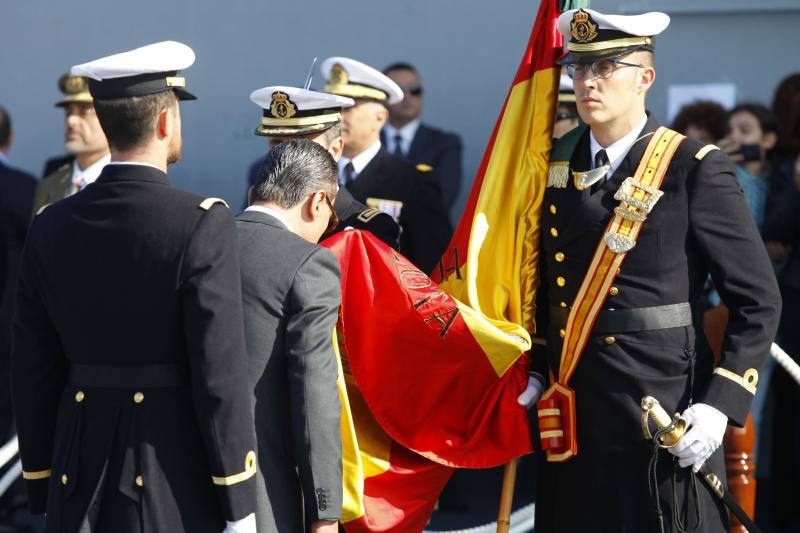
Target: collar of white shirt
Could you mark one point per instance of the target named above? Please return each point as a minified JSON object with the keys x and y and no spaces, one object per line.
{"x":617,"y":151}
{"x":3,"y":159}
{"x":361,"y":160}
{"x":406,"y":133}
{"x":135,"y":163}
{"x":271,"y":212}
{"x":90,"y":173}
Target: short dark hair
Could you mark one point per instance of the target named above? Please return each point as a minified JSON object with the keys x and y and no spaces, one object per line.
{"x":705,"y":114}
{"x":766,"y":119}
{"x":333,"y":133}
{"x":5,"y":127}
{"x":400,"y":65}
{"x":786,"y":107}
{"x":129,"y":122}
{"x":293,"y":170}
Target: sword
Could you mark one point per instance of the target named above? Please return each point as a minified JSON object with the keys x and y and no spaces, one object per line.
{"x":673,"y":430}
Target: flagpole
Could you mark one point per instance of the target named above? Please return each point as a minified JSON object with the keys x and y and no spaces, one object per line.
{"x":507,"y":496}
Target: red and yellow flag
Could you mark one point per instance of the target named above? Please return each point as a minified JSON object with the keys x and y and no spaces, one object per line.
{"x":431,"y":372}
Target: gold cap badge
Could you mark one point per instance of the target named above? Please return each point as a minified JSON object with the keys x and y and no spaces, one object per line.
{"x":583,"y":29}
{"x":281,"y":106}
{"x":69,"y":84}
{"x":338,"y":75}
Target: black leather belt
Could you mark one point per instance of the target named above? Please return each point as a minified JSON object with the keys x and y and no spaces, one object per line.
{"x":128,"y":377}
{"x":630,"y":320}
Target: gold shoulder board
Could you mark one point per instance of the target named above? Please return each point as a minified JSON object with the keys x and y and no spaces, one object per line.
{"x":368,"y":214}
{"x":41,"y":209}
{"x":704,"y":151}
{"x":422,"y":167}
{"x":208,"y":203}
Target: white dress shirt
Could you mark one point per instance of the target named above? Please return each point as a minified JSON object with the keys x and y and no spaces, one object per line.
{"x":271,"y":212}
{"x":3,"y":159}
{"x":359,"y":162}
{"x":135,"y":163}
{"x":406,"y":133}
{"x":617,"y":151}
{"x":82,"y":178}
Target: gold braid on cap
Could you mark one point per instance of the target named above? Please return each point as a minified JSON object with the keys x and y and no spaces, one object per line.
{"x":607,"y":45}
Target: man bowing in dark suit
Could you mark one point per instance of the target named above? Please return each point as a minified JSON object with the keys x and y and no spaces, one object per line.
{"x":291,"y":295}
{"x":378,"y":178}
{"x":407,"y":137}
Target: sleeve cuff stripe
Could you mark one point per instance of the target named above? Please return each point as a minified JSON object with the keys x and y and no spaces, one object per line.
{"x":39,"y":474}
{"x":249,"y":471}
{"x":748,"y":382}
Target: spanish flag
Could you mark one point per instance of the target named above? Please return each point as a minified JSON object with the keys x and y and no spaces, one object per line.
{"x":431,"y":368}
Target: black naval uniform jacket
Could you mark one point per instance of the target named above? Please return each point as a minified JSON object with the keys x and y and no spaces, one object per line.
{"x":701,"y":225}
{"x":354,"y":214}
{"x":129,"y":365}
{"x":425,"y":228}
{"x":441,"y":151}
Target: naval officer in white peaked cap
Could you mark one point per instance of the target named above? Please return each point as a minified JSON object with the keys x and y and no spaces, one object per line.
{"x":635,"y":218}
{"x":130,"y":385}
{"x":377,"y":178}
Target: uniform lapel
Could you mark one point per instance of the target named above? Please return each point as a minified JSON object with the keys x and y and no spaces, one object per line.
{"x":593,"y":210}
{"x":371,"y":178}
{"x":419,"y":142}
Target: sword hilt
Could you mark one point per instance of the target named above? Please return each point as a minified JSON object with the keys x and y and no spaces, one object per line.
{"x":675,"y":426}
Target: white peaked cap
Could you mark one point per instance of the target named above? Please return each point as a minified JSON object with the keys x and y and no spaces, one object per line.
{"x":348,"y":77}
{"x":166,"y":56}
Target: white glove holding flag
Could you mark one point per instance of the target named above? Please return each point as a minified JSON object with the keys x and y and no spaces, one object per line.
{"x":531,"y":394}
{"x":706,"y":429}
{"x":245,"y":525}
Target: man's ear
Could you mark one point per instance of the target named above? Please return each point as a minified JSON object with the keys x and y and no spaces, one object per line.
{"x":336,"y":148}
{"x":381,"y":115}
{"x":164,"y":123}
{"x":647,"y":79}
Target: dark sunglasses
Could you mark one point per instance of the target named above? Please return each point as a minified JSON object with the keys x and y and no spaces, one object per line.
{"x":333,"y":221}
{"x":413,"y":90}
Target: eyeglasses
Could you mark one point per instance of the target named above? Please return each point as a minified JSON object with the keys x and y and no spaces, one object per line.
{"x":413,"y":90}
{"x":566,"y":115}
{"x":602,"y":69}
{"x":333,"y":221}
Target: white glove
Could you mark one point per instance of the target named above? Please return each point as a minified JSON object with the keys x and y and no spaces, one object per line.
{"x":531,"y":394}
{"x":245,"y":525}
{"x":706,"y":429}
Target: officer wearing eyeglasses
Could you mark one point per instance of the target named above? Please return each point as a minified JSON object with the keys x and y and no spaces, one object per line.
{"x":291,"y":295}
{"x":634,"y":219}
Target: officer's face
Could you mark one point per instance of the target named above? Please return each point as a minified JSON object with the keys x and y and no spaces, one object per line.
{"x":411,"y":105}
{"x":361,"y":126}
{"x":605,"y":101}
{"x":82,"y":131}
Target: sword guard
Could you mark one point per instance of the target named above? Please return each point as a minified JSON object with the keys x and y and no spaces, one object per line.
{"x":672,"y":428}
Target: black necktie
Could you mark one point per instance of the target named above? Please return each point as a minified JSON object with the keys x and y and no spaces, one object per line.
{"x":600,"y":159}
{"x":398,"y":145}
{"x":349,"y":170}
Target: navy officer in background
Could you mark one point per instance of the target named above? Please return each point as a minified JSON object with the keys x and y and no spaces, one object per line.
{"x":376,"y":177}
{"x":295,"y":113}
{"x":130,"y":385}
{"x":635,"y":217}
